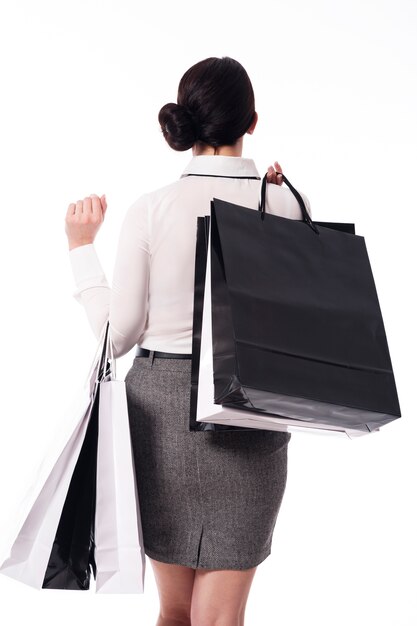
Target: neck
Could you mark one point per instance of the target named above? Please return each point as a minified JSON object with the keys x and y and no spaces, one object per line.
{"x":203,"y":148}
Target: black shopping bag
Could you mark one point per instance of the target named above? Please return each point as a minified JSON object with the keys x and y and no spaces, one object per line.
{"x":73,"y":549}
{"x":72,"y":558}
{"x":291,"y":330}
{"x":202,"y":238}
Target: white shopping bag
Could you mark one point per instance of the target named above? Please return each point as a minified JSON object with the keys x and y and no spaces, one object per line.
{"x":119,"y":551}
{"x":37,"y":519}
{"x":208,"y":411}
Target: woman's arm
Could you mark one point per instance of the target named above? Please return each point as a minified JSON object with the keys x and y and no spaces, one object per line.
{"x":125,"y":304}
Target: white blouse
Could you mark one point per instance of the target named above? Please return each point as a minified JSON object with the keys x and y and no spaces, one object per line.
{"x":151,"y":299}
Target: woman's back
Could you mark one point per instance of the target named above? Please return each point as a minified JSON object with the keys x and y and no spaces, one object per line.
{"x":173,"y":212}
{"x":153,"y":279}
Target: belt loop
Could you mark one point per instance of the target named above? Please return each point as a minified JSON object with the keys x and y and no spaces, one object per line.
{"x":152,"y":356}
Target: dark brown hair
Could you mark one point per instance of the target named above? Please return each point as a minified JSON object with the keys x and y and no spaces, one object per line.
{"x":215,"y":105}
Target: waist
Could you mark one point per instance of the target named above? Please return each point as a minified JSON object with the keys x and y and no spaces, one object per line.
{"x":163,"y":355}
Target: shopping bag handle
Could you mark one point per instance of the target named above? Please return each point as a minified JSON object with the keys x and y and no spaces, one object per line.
{"x":306,"y":216}
{"x":106,"y":354}
{"x":97,"y":356}
{"x":110,"y":353}
{"x":103,"y":349}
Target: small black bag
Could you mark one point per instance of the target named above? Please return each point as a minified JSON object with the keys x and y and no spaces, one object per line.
{"x":72,"y":555}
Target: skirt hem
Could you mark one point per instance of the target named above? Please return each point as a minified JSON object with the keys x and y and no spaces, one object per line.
{"x":213,"y":565}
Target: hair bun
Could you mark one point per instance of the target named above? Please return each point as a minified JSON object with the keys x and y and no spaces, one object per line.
{"x":215,"y":105}
{"x":178,"y":126}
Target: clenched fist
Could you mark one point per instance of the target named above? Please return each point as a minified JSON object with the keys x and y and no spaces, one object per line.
{"x":83,"y":220}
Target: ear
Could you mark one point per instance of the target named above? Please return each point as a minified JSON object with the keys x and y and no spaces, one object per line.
{"x":253,"y":124}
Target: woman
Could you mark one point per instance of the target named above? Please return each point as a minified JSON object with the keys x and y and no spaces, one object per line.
{"x":209,"y":500}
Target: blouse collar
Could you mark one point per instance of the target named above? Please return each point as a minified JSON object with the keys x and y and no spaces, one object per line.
{"x":221,"y":165}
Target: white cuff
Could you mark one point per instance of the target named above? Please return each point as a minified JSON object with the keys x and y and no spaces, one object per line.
{"x":86,"y":268}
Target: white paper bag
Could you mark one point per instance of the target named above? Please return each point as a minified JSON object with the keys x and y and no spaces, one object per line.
{"x":37,"y":519}
{"x":119,"y":552}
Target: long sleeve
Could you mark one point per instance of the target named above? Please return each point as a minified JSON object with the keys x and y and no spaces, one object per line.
{"x":125,"y":304}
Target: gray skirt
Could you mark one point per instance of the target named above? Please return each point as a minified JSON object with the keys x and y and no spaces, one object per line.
{"x":208,"y":499}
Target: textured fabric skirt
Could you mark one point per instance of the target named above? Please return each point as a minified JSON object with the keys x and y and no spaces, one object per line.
{"x":208,"y":499}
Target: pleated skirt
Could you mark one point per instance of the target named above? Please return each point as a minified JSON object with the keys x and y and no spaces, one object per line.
{"x":208,"y":499}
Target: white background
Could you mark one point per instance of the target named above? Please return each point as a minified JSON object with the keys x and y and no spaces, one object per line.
{"x":335,"y":89}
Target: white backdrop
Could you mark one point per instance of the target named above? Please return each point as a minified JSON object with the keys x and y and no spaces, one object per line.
{"x":335,"y":86}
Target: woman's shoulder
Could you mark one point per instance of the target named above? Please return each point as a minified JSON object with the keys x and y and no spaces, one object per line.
{"x":167,"y":191}
{"x":148,"y":198}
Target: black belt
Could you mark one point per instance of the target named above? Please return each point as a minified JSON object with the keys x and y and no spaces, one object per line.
{"x":165,"y":355}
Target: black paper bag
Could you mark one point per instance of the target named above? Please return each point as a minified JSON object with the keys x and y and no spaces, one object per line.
{"x":297,"y":330}
{"x":72,"y":558}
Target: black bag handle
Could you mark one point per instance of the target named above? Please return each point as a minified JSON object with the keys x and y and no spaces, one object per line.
{"x":103,"y":370}
{"x":306,"y":216}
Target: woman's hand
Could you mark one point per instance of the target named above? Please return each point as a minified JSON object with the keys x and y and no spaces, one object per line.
{"x":83,"y":219}
{"x":272,"y":176}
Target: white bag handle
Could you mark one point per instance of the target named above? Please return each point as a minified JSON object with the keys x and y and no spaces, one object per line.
{"x":96,"y":356}
{"x":110,"y":355}
{"x":103,"y":351}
